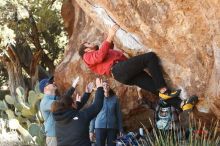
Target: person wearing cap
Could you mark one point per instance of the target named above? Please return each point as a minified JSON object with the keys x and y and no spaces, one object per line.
{"x":48,"y":88}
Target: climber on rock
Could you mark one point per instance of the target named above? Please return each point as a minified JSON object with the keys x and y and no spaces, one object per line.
{"x":107,"y":61}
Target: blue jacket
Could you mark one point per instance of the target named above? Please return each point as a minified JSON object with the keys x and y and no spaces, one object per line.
{"x":45,"y":107}
{"x":109,"y":117}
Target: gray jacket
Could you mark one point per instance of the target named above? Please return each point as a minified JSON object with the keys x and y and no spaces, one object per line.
{"x":110,"y":115}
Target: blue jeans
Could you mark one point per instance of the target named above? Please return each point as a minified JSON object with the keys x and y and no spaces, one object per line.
{"x":103,"y":134}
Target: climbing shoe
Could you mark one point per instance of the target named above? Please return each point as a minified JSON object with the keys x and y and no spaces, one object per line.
{"x":169,"y":94}
{"x":189,"y":103}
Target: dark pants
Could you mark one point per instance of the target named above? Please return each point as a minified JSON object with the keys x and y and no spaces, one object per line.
{"x":103,"y":134}
{"x":131,"y":72}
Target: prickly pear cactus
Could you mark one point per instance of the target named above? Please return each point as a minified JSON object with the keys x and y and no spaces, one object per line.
{"x":10,"y":114}
{"x":27,"y":109}
{"x":20,"y":92}
{"x":25,"y":112}
{"x":3,"y":105}
{"x":15,"y":125}
{"x":9,"y":99}
{"x":36,"y":131}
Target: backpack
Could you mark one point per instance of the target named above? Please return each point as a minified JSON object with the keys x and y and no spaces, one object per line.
{"x":165,"y":116}
{"x":127,"y":140}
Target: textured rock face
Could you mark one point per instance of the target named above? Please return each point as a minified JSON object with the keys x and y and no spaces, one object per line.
{"x":184,"y":34}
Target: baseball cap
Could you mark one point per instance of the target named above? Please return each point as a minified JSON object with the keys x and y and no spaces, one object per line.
{"x":44,"y":82}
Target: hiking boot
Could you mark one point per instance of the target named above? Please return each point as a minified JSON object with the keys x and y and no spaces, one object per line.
{"x":189,"y":103}
{"x":169,"y":94}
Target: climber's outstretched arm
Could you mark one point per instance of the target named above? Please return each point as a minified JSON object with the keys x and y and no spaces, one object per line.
{"x":111,"y":33}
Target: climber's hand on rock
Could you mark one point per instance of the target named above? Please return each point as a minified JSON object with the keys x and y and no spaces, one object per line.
{"x":112,"y":32}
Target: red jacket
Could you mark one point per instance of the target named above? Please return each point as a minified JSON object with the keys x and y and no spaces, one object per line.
{"x":101,"y":61}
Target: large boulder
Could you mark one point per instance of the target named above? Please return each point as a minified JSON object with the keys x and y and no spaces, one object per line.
{"x":184,"y":34}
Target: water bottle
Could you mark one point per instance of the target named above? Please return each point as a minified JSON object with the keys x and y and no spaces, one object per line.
{"x":141,"y":131}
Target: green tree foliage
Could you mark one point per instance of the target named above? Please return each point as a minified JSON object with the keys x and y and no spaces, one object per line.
{"x":32,"y":26}
{"x":31,"y":44}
